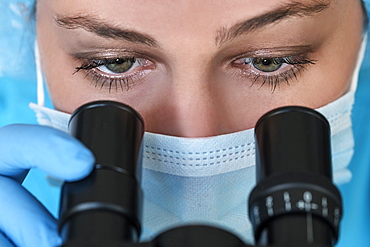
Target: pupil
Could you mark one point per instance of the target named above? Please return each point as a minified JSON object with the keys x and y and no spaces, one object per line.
{"x":119,"y":61}
{"x":266,"y":62}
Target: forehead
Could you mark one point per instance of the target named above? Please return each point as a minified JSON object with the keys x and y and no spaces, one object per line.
{"x":166,"y":14}
{"x":186,"y":20}
{"x":166,"y":6}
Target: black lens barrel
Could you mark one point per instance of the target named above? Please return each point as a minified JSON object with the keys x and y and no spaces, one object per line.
{"x":105,"y":208}
{"x":295,"y":200}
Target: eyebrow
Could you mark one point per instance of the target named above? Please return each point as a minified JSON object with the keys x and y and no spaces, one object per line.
{"x":103,"y":29}
{"x":294,"y":9}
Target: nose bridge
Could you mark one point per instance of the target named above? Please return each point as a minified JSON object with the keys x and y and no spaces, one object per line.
{"x":196,"y":106}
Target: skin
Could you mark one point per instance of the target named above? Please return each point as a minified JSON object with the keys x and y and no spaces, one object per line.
{"x":190,"y":83}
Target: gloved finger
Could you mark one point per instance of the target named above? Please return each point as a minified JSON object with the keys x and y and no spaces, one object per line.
{"x":28,"y":146}
{"x":4,"y":241}
{"x":23,"y":219}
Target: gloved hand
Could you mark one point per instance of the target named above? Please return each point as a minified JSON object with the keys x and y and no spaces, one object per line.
{"x":24,"y":221}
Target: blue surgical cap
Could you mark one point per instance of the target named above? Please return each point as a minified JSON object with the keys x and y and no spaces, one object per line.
{"x":17,"y":35}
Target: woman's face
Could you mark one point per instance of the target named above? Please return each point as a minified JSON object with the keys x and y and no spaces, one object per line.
{"x":198,"y":68}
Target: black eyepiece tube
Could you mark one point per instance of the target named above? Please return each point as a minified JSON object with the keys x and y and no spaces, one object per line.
{"x":105,"y":208}
{"x":294,"y":202}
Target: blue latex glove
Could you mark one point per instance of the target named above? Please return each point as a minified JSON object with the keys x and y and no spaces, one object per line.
{"x":24,"y":221}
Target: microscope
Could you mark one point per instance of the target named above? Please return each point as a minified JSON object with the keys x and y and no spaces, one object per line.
{"x":294,"y":203}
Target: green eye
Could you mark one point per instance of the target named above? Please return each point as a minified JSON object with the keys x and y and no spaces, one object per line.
{"x":119,"y":65}
{"x":267,"y":64}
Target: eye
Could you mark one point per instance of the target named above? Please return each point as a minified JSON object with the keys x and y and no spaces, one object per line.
{"x":116,"y":73}
{"x":272,"y":70}
{"x":265,"y":64}
{"x":118,"y":65}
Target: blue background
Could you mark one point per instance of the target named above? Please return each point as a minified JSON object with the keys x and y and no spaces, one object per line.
{"x":18,"y":88}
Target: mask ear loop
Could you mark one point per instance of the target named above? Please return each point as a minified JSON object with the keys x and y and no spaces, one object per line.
{"x":44,"y":115}
{"x":360,"y":58}
{"x":39,"y":78}
{"x":41,"y":102}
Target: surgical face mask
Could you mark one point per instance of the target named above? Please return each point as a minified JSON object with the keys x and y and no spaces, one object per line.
{"x":208,"y":180}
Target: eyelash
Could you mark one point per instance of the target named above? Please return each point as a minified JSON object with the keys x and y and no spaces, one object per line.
{"x":294,"y":65}
{"x":114,"y":80}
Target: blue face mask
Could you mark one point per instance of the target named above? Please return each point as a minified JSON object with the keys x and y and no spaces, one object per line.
{"x":208,"y":180}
